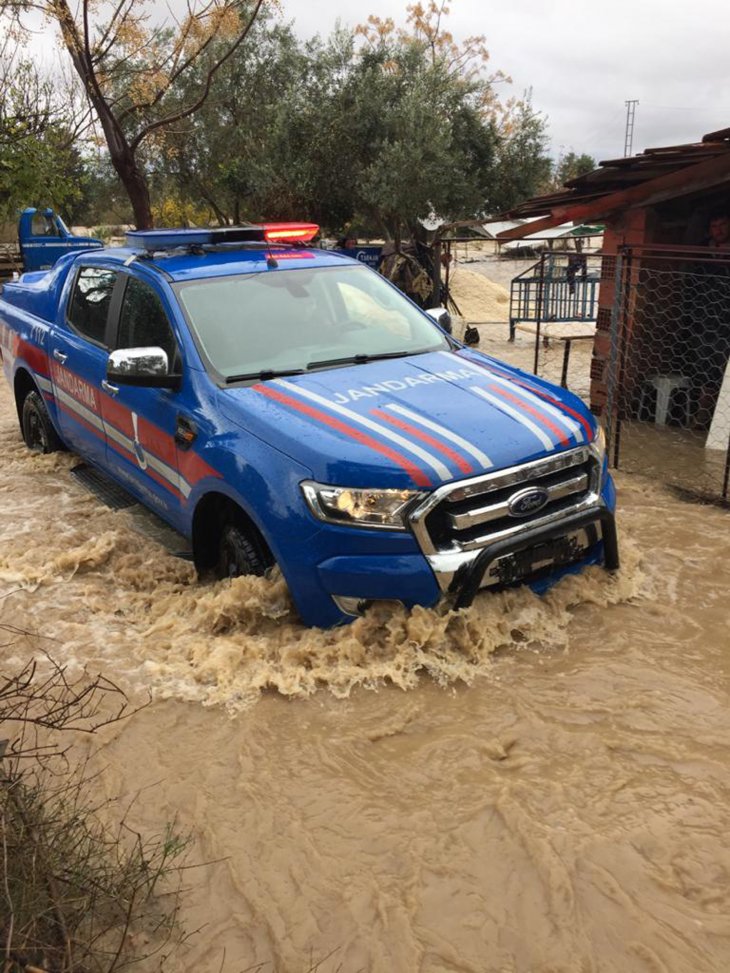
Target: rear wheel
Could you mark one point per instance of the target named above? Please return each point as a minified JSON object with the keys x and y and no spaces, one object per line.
{"x":237,"y":554}
{"x":36,"y":426}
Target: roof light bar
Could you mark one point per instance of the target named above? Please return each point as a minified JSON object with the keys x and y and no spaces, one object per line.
{"x":290,"y":232}
{"x":155,"y":240}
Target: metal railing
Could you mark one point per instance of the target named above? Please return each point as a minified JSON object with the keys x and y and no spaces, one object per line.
{"x":559,"y":287}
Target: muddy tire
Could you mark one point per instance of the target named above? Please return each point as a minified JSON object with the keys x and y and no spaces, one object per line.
{"x":36,"y":426}
{"x":237,"y":554}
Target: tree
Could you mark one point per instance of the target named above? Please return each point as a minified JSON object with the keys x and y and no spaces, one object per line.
{"x":375,"y":127}
{"x":132,"y":68}
{"x":39,"y":161}
{"x":333,"y":131}
{"x":524,"y":167}
{"x":234,"y":154}
{"x":498,"y":147}
{"x":571,"y":166}
{"x":429,"y":148}
{"x":429,"y":108}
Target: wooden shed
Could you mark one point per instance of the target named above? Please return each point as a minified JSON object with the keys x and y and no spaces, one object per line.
{"x":654,"y":205}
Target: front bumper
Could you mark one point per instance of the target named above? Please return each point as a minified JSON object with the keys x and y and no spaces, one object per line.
{"x":536,"y":556}
{"x":353,"y":582}
{"x":468,"y":578}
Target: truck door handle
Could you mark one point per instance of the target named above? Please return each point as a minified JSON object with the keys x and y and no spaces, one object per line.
{"x":59,"y":355}
{"x":108,"y":387}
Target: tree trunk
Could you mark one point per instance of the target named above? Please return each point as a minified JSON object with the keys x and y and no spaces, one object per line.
{"x":397,"y":239}
{"x":217,"y":211}
{"x":121,"y":153}
{"x":135,"y":183}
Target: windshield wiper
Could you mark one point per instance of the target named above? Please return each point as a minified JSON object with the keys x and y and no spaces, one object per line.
{"x":363,"y":359}
{"x":264,"y":375}
{"x":268,"y":373}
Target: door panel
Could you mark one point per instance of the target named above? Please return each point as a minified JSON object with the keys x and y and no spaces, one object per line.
{"x":141,"y":422}
{"x":78,"y":363}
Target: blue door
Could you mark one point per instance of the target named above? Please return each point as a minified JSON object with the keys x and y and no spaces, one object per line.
{"x":141,"y":423}
{"x":78,"y":350}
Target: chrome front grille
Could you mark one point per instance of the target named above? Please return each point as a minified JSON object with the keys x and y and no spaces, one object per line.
{"x":470,"y":514}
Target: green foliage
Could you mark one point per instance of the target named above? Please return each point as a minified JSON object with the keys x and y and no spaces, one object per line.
{"x":39,"y":164}
{"x":571,"y":166}
{"x":524,"y":167}
{"x":336,"y":131}
{"x":375,"y":128}
{"x":426,"y":148}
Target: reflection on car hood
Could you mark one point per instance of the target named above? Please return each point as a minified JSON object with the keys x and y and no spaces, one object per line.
{"x":412,"y":422}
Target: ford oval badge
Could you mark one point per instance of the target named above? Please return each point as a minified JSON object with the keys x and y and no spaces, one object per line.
{"x":527,"y":502}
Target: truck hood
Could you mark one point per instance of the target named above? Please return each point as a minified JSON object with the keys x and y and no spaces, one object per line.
{"x":412,"y":422}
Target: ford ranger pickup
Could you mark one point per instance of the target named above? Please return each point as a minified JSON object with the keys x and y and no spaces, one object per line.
{"x":280,"y":404}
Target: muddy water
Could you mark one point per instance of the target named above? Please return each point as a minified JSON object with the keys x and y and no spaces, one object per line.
{"x":530,"y":786}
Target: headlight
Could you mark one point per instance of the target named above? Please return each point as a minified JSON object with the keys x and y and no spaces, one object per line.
{"x":359,"y":508}
{"x":599,"y":444}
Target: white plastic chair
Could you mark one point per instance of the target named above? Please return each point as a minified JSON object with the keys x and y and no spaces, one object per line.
{"x":665,"y":386}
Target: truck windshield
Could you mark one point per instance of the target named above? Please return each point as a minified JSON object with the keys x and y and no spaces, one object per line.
{"x":284,"y":320}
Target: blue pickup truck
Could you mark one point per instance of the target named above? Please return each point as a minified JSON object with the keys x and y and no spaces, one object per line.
{"x":43,"y":237}
{"x":280,"y":404}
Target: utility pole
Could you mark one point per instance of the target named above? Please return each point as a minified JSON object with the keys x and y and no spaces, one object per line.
{"x":629,"y":137}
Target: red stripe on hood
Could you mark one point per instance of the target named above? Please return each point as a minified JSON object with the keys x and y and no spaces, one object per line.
{"x":539,"y":392}
{"x":424,"y":437}
{"x":540,"y":416}
{"x":565,"y":408}
{"x":417,"y":475}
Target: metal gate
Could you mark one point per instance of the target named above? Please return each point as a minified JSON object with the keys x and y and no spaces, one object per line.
{"x":668,"y":407}
{"x":559,"y":287}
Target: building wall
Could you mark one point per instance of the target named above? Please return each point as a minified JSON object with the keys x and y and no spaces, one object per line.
{"x":631,"y":228}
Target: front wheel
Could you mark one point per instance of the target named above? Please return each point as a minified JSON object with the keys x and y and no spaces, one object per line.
{"x":36,"y":426}
{"x":237,"y":555}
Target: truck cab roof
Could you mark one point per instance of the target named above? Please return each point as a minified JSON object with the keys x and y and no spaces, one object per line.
{"x":220,"y":261}
{"x":202,"y":252}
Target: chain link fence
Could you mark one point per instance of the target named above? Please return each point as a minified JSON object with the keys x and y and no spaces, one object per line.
{"x":668,"y":408}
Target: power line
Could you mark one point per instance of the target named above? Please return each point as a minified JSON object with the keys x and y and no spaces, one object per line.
{"x":706,"y":109}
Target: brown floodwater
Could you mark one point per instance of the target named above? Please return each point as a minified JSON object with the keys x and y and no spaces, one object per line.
{"x":529,"y":786}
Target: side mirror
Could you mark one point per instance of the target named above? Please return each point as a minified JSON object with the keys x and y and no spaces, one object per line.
{"x":143,"y":367}
{"x":471,"y":335}
{"x":442,"y":318}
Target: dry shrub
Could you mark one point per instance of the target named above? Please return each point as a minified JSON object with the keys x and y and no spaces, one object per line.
{"x":76,"y":894}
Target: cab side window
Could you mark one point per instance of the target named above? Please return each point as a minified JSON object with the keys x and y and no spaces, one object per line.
{"x":42,"y":225}
{"x":89,"y":308}
{"x":143,"y":322}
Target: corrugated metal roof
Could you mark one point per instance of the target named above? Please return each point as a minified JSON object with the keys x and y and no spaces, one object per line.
{"x":494,"y":227}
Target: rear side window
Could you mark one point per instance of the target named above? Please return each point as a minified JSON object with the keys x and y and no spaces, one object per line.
{"x":143,"y":322}
{"x":92,"y":296}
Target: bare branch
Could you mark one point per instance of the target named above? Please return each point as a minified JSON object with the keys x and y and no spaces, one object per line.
{"x":110,"y":34}
{"x":191,"y":109}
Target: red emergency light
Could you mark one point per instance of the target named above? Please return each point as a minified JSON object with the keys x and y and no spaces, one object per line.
{"x":270,"y":233}
{"x":290,"y":232}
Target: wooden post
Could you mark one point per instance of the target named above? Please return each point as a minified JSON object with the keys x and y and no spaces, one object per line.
{"x":436,"y":274}
{"x":538,"y":314}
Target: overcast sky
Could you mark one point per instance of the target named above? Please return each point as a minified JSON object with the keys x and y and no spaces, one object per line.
{"x":584,"y":59}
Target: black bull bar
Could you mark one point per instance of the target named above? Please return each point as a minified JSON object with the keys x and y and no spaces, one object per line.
{"x":471,"y":583}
